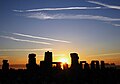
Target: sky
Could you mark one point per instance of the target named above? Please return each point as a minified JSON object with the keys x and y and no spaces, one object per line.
{"x":90,"y":28}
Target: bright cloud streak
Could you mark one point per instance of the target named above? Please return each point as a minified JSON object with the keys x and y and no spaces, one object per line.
{"x":46,"y":49}
{"x":106,"y":54}
{"x":45,"y":16}
{"x":102,"y":4}
{"x":30,"y":36}
{"x":117,"y":25}
{"x":56,"y":9}
{"x":22,"y":40}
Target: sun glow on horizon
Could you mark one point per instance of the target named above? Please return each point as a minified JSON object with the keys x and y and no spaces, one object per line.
{"x":64,"y":60}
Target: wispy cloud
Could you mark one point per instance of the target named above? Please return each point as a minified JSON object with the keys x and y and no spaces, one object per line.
{"x":45,"y":16}
{"x":31,"y":36}
{"x":46,"y":49}
{"x":22,"y":40}
{"x":106,"y":5}
{"x":108,"y":54}
{"x":56,"y":9}
{"x":117,"y":25}
{"x":114,"y":24}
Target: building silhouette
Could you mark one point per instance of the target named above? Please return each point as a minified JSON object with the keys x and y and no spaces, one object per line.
{"x":5,"y":65}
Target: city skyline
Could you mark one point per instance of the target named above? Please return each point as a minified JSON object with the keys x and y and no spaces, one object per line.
{"x":89,"y":28}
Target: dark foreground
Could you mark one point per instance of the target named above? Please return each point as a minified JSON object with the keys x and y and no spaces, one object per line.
{"x":58,"y":76}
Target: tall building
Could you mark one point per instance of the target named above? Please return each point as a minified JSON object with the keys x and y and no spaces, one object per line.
{"x":74,"y":60}
{"x":5,"y":65}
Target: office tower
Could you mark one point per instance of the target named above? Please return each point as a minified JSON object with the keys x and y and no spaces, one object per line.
{"x":74,"y":60}
{"x":5,"y":65}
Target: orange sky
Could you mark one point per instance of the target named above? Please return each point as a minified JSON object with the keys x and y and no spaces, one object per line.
{"x":23,"y":58}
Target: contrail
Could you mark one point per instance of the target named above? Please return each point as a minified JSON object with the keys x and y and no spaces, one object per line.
{"x":30,"y":36}
{"x":56,"y":9}
{"x":106,"y":54}
{"x":22,"y":40}
{"x":45,"y":16}
{"x":26,"y":49}
{"x":102,"y":4}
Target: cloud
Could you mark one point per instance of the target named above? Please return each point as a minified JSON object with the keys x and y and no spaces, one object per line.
{"x":106,"y":54}
{"x":117,"y":25}
{"x":106,"y":5}
{"x":56,"y":9}
{"x":22,"y":40}
{"x":46,"y":49}
{"x":114,"y":24}
{"x":45,"y":16}
{"x":30,"y":36}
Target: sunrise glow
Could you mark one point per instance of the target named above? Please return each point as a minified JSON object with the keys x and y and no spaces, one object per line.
{"x":64,"y":60}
